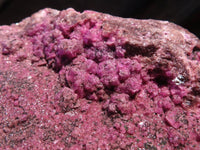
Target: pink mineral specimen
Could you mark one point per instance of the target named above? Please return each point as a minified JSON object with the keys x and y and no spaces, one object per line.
{"x":71,"y":80}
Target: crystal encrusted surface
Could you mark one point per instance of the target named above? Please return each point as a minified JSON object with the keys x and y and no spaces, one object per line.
{"x":71,"y":80}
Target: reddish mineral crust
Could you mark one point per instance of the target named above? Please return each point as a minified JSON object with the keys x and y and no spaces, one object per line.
{"x":71,"y":80}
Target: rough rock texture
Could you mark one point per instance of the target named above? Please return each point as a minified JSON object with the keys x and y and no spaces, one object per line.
{"x":71,"y":80}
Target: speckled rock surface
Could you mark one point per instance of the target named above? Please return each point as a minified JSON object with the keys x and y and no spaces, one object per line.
{"x":71,"y":80}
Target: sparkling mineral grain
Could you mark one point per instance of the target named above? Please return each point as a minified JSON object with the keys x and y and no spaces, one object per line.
{"x":71,"y":80}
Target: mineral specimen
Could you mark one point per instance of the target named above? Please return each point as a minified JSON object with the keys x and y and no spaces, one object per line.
{"x":71,"y":80}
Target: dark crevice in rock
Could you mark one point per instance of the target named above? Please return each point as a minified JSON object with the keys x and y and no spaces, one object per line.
{"x":112,"y":48}
{"x":196,"y":49}
{"x":109,"y":90}
{"x":161,"y":81}
{"x":159,"y":77}
{"x":132,"y":97}
{"x":196,"y":90}
{"x":195,"y":54}
{"x":134,"y":50}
